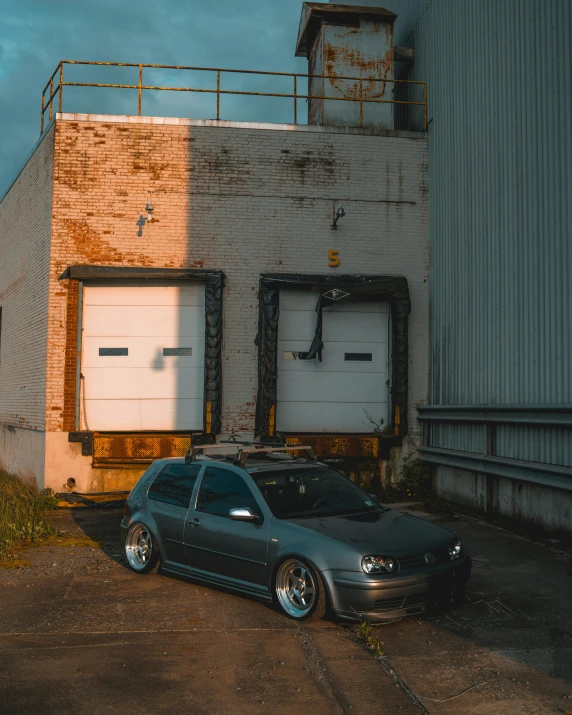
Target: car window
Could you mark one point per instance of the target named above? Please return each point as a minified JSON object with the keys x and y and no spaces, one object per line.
{"x":314,"y":491}
{"x":222,"y":490}
{"x":174,"y":484}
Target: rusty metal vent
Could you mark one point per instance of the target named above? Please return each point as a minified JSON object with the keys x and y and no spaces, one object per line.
{"x":338,"y":445}
{"x":358,"y":457}
{"x":138,"y":448}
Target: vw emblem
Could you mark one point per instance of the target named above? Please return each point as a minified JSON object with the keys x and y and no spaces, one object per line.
{"x":429,"y":559}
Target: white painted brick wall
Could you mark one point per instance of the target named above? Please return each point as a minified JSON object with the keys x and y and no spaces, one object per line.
{"x":25,"y":221}
{"x":246,"y":201}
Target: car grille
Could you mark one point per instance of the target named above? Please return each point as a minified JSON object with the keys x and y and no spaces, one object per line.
{"x":417,"y":561}
{"x":411,"y":604}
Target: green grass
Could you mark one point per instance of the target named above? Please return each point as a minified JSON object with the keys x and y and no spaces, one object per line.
{"x":24,"y":511}
{"x":366,"y":634}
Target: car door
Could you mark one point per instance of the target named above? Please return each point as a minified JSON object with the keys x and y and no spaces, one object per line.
{"x":217,"y":546}
{"x":168,"y":501}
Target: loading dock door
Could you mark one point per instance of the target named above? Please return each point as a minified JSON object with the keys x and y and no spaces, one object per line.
{"x":143,"y":357}
{"x":347,"y":391}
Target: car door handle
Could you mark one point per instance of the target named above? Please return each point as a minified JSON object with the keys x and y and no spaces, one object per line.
{"x":194,"y":522}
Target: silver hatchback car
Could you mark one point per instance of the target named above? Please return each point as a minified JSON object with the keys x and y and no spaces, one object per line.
{"x":290,"y":530}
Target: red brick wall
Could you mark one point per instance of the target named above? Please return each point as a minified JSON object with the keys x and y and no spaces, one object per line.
{"x":70,"y":365}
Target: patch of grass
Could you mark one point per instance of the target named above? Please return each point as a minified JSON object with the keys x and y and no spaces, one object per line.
{"x":24,"y":513}
{"x":365,"y":634}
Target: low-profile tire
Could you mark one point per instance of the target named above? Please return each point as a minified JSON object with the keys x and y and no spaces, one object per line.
{"x":300,"y":590}
{"x":141,"y":550}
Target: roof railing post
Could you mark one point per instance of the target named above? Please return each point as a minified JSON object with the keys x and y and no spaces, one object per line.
{"x":295,"y":101}
{"x":218,"y":94}
{"x":60,"y":98}
{"x":51,"y":96}
{"x":140,"y":91}
{"x":42,"y":117}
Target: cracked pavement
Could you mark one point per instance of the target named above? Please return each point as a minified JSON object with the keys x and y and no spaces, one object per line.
{"x":80,"y":633}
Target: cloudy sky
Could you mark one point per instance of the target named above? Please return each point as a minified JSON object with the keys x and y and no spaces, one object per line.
{"x":242,"y":34}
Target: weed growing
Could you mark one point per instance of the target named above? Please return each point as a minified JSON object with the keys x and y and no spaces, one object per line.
{"x":23,"y":513}
{"x":365,"y":634}
{"x":415,"y":482}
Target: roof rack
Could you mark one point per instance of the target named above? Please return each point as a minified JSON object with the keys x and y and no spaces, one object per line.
{"x":243,"y":449}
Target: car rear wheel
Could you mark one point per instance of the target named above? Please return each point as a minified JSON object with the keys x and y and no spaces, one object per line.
{"x":300,"y":590}
{"x":141,"y":550}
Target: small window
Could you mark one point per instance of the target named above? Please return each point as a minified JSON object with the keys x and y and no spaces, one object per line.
{"x":177,"y":352}
{"x":358,"y":357}
{"x":113,"y":352}
{"x":174,"y":484}
{"x":222,"y":490}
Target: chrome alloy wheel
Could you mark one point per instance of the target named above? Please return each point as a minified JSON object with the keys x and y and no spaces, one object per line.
{"x":138,"y":547}
{"x":295,"y":588}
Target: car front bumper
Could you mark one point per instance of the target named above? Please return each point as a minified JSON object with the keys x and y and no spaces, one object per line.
{"x":362,"y":597}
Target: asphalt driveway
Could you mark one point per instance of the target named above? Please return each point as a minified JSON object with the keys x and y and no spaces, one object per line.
{"x":80,"y":633}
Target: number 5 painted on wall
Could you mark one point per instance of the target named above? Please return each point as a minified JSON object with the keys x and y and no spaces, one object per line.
{"x":333,"y":258}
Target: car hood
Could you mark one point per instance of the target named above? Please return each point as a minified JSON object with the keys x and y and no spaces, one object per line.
{"x":387,"y":532}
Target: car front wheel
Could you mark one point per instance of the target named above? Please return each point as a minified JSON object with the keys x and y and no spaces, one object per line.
{"x":141,"y":550}
{"x":300,"y":590}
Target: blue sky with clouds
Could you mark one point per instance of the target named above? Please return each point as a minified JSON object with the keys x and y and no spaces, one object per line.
{"x":242,"y":34}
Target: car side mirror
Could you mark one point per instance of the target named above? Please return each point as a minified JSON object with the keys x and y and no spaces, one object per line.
{"x":242,"y":514}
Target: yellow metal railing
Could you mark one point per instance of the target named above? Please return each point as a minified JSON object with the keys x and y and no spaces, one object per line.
{"x":56,"y":83}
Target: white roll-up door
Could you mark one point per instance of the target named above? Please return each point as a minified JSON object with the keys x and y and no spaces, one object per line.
{"x":143,"y":357}
{"x":345,"y":393}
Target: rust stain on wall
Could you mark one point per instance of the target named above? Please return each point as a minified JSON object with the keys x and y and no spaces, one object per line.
{"x":362,"y":52}
{"x":90,"y":245}
{"x":355,"y":60}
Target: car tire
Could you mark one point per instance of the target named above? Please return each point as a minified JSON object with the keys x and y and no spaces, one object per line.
{"x":141,"y":550}
{"x":299,"y":590}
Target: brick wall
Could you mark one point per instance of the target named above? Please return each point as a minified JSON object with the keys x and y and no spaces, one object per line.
{"x":70,"y":365}
{"x":25,"y":218}
{"x":243,"y":200}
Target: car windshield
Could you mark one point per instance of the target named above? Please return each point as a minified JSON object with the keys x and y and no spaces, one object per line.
{"x":316,"y":491}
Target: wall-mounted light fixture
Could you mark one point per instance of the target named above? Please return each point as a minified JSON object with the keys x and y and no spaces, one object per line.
{"x":338,"y":214}
{"x":149,"y":209}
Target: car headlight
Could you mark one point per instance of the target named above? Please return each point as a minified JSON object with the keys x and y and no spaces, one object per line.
{"x":378,"y":564}
{"x":455,"y":549}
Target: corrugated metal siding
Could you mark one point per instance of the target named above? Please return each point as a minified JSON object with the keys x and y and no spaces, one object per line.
{"x":548,"y":445}
{"x":500,"y":180}
{"x":465,"y":437}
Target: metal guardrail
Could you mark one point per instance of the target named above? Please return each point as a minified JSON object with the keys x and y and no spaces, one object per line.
{"x":56,"y":83}
{"x":491,"y":417}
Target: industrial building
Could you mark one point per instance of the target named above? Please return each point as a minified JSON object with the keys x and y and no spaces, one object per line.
{"x":498,"y":425}
{"x":163,"y":277}
{"x":426,"y":183}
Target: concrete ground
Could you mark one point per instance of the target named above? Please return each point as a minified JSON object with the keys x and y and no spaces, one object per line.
{"x":80,"y":633}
